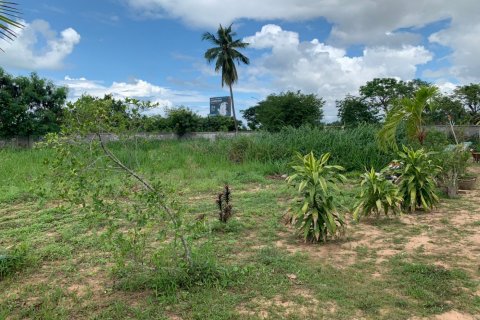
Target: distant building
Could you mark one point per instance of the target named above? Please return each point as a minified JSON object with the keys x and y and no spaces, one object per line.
{"x":220,"y":106}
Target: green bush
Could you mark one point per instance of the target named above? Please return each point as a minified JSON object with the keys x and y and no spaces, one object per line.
{"x":417,"y":181}
{"x":315,"y":180}
{"x":377,"y":194}
{"x":13,"y":260}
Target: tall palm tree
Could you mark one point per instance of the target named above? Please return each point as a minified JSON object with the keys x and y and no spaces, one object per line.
{"x":8,"y":15}
{"x":410,"y":111}
{"x":226,"y":54}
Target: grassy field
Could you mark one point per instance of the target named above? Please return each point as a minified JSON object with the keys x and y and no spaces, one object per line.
{"x":423,"y":265}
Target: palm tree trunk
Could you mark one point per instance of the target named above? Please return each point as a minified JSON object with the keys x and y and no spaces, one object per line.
{"x":233,"y":109}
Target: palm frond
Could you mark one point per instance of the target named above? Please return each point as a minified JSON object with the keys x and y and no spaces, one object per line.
{"x":8,"y":15}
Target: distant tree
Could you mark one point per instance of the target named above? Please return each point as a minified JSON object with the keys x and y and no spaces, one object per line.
{"x":446,"y":106}
{"x":225,"y":54}
{"x":155,"y":123}
{"x":29,"y":105}
{"x":217,"y":123}
{"x":380,"y":93}
{"x":250,"y":115}
{"x":469,"y":95}
{"x":183,"y":120}
{"x":409,"y":111}
{"x":8,"y":20}
{"x":354,"y":110}
{"x":288,"y":109}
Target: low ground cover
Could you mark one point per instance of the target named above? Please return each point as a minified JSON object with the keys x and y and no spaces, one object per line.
{"x":397,"y":267}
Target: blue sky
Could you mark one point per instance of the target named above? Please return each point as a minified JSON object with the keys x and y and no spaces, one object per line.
{"x":152,"y":49}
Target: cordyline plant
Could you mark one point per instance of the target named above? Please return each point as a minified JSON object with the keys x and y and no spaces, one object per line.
{"x":85,"y":166}
{"x":315,"y":180}
{"x":417,"y":180}
{"x":377,"y":195}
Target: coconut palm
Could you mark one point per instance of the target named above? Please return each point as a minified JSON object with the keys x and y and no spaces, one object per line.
{"x":8,"y":15}
{"x":226,"y":54}
{"x":409,"y":111}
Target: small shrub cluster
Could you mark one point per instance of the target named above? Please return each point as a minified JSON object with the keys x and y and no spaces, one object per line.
{"x":13,"y":260}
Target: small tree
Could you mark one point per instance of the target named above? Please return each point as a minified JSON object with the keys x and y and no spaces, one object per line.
{"x":411,"y":112}
{"x":286,"y":109}
{"x":353,"y":111}
{"x":183,"y":120}
{"x":84,"y":165}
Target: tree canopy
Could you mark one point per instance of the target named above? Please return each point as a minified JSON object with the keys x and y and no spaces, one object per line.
{"x":286,"y":109}
{"x":354,"y":110}
{"x":29,"y":105}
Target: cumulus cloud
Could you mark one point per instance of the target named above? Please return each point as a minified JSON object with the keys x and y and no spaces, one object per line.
{"x":39,"y":47}
{"x":313,"y":66}
{"x":387,"y":23}
{"x":138,"y":89}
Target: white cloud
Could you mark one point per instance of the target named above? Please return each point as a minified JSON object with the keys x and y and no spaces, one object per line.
{"x":38,"y":47}
{"x":138,"y":89}
{"x":315,"y":67}
{"x":373,"y":23}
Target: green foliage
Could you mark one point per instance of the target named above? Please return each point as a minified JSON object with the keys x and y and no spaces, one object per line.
{"x":380,"y":93}
{"x":353,"y":111}
{"x":445,"y":107}
{"x":417,"y":181}
{"x":30,"y":105}
{"x":432,"y":286}
{"x":168,"y":275}
{"x":9,"y":20}
{"x":409,"y":111}
{"x":377,"y":194}
{"x":315,"y":179}
{"x":183,"y":120}
{"x":13,"y":260}
{"x":217,"y":123}
{"x":469,"y":96}
{"x":286,"y":109}
{"x":279,"y":147}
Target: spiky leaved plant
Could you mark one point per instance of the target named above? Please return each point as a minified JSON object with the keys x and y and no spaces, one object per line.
{"x":317,"y":219}
{"x":224,"y":206}
{"x":377,"y":195}
{"x":417,"y":181}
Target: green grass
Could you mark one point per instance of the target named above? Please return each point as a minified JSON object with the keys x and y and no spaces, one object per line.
{"x":251,"y":267}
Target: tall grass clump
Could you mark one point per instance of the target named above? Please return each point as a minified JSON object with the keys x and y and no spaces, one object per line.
{"x":353,"y":148}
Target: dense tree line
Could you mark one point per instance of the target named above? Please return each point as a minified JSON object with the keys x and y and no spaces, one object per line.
{"x":30,"y":105}
{"x":377,"y":97}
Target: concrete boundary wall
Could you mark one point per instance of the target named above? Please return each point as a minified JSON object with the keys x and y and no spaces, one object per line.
{"x":28,"y":142}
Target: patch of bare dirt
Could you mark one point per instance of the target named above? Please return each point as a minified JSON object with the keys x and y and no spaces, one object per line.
{"x":263,"y":308}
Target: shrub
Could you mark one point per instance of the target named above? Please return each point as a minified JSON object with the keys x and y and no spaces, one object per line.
{"x":12,"y":260}
{"x":315,"y":180}
{"x":417,"y":185}
{"x":377,"y":194}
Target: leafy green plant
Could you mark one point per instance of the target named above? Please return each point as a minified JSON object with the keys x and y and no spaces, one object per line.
{"x":224,"y":206}
{"x":317,"y":219}
{"x":417,"y":181}
{"x":12,"y":260}
{"x":377,"y":194}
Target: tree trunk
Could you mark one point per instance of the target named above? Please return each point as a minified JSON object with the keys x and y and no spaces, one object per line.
{"x":233,"y":110}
